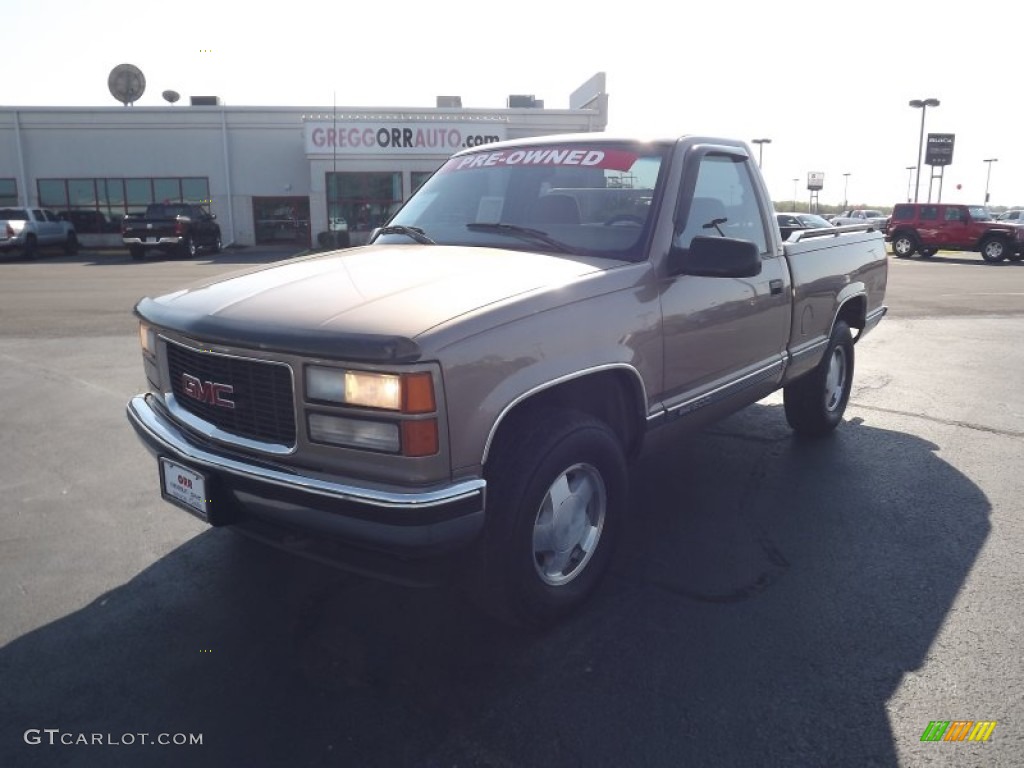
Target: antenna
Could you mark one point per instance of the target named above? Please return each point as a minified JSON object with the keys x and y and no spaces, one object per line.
{"x":171,"y":96}
{"x":126,"y":83}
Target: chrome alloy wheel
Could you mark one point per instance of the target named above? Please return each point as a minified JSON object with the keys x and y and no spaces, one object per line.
{"x":835,"y":381}
{"x":569,"y":524}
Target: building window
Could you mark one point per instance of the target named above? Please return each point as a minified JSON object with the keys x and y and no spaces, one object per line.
{"x":281,"y":219}
{"x":8,"y":192}
{"x":358,"y":202}
{"x":97,"y":205}
{"x":417,"y":178}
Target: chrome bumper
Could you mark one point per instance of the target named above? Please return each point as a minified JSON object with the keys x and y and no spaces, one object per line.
{"x":402,"y":522}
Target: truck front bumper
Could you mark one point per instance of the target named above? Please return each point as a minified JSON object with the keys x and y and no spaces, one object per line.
{"x":308,"y":512}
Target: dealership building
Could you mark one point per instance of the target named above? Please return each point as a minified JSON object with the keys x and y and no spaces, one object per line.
{"x":269,"y":174}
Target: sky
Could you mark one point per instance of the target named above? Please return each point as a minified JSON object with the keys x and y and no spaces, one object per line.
{"x":829,"y":84}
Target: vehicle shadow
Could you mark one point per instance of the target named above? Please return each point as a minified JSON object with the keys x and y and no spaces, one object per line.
{"x":947,"y":257}
{"x":765,"y":602}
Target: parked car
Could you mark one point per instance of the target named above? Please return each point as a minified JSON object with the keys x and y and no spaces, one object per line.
{"x":925,"y":228}
{"x":861,"y":216}
{"x":1015,"y":215}
{"x":475,"y":381}
{"x":180,"y":228}
{"x":794,"y":222}
{"x":28,"y":230}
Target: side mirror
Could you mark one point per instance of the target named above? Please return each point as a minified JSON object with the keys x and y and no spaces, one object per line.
{"x":716,"y":257}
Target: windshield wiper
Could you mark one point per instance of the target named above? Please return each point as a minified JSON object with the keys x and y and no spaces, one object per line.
{"x":524,"y":233}
{"x":415,"y":233}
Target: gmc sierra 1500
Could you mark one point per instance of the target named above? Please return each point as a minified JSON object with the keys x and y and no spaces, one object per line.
{"x":477,"y":378}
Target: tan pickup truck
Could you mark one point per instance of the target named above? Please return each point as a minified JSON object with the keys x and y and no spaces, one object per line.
{"x":476,"y":379}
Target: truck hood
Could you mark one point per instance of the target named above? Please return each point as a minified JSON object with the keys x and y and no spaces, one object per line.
{"x":367,"y":303}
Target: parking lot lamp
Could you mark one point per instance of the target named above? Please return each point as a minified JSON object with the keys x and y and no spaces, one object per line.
{"x":760,"y":149}
{"x":910,"y":179}
{"x":988,"y":176}
{"x":846,"y":186}
{"x":923,"y":105}
{"x":795,"y":182}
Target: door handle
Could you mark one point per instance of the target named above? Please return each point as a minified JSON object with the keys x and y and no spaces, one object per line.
{"x":775,"y":286}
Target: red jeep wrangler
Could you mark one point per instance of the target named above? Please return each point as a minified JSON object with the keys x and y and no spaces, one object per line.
{"x":928,"y":227}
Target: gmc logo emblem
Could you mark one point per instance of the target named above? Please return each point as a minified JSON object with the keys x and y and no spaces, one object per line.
{"x":207,"y":391}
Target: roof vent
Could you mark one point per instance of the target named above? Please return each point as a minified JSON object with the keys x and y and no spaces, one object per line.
{"x":205,"y":101}
{"x":520,"y":101}
{"x":449,"y":102}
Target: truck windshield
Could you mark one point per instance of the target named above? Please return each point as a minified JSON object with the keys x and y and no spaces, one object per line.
{"x":586,"y":198}
{"x":980,"y":213}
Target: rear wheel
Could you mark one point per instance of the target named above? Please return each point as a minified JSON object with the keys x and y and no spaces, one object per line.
{"x":218,"y":245}
{"x":815,"y":402}
{"x":556,"y":492}
{"x":995,"y":249}
{"x":904,"y":245}
{"x":188,"y":248}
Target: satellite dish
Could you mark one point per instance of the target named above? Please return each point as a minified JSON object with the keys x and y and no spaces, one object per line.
{"x":171,"y":96}
{"x":126,"y":83}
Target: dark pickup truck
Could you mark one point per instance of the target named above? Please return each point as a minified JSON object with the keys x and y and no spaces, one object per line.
{"x":180,"y":228}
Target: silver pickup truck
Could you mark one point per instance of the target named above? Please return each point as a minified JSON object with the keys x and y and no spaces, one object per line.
{"x":27,"y":230}
{"x":477,"y":378}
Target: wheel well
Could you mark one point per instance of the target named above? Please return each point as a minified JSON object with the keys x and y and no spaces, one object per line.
{"x":904,"y":232}
{"x":615,"y":397}
{"x":854,"y":313}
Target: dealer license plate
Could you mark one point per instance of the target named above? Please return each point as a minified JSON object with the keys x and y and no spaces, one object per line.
{"x":185,"y":487}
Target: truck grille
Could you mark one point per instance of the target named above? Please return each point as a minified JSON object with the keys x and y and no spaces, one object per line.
{"x":260,"y":391}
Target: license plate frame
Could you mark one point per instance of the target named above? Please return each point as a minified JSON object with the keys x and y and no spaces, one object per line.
{"x":185,"y":487}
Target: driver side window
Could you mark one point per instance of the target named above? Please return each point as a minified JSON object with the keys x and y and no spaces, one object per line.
{"x":723,"y":204}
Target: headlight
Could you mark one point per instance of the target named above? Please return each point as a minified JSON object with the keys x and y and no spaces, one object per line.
{"x":354,"y":433}
{"x":147,"y":338}
{"x":408,"y":393}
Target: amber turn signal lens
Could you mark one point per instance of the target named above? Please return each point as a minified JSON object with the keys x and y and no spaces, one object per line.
{"x":419,"y":438}
{"x":418,"y":393}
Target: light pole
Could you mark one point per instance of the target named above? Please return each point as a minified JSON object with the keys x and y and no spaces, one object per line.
{"x":760,"y":149}
{"x":795,"y":182}
{"x":910,"y":178}
{"x":988,"y":176}
{"x":846,"y":185}
{"x":923,"y":105}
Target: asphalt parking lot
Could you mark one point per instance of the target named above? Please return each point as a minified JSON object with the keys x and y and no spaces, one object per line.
{"x":774,"y":603}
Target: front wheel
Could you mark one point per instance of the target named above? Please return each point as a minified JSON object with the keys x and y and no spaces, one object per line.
{"x":904,"y":246}
{"x":556,"y":492}
{"x":815,"y":402}
{"x":994,"y":250}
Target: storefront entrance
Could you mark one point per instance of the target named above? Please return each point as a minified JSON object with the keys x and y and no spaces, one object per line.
{"x":281,"y":219}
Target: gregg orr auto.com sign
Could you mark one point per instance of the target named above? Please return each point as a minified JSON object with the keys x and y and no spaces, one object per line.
{"x":419,"y":138}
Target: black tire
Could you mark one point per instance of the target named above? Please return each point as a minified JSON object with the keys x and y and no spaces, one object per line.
{"x":904,"y":245}
{"x":137,"y":252}
{"x":31,"y":248}
{"x":188,"y":248}
{"x":815,"y":402}
{"x":540,"y":558}
{"x":995,"y":249}
{"x":218,"y":244}
{"x":71,"y":244}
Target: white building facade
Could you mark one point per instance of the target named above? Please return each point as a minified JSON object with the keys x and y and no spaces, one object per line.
{"x":268,"y":173}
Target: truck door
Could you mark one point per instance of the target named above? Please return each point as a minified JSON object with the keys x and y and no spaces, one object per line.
{"x":723,"y":336}
{"x":956,"y":227}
